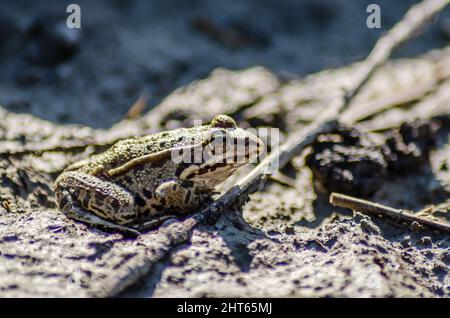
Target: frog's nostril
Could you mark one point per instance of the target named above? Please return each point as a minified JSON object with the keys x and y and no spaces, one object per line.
{"x":259,"y":146}
{"x":254,"y":147}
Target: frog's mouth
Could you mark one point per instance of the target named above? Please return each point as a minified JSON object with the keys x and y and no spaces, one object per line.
{"x":219,"y":164}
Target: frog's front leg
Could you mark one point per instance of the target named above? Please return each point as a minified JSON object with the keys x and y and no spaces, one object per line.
{"x":170,"y":199}
{"x":177,"y":196}
{"x":95,"y":201}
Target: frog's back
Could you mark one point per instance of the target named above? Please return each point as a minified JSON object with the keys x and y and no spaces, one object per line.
{"x":128,"y":149}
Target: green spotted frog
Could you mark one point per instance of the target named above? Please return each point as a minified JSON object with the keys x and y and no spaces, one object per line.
{"x":140,"y":182}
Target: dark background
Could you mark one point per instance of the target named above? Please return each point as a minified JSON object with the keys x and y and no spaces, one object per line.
{"x":91,"y":76}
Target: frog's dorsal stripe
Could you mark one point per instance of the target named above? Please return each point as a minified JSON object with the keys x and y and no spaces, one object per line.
{"x":154,"y":157}
{"x":77,"y":165}
{"x":146,"y":159}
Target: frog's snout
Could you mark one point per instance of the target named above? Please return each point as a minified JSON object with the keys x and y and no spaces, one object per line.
{"x":254,"y":147}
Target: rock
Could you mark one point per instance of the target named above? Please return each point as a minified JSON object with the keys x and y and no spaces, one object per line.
{"x":409,"y":146}
{"x":347,"y":161}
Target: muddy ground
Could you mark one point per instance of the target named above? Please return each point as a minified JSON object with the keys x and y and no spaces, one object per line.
{"x":62,"y":92}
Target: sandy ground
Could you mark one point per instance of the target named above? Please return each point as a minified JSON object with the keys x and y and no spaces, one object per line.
{"x":287,"y":240}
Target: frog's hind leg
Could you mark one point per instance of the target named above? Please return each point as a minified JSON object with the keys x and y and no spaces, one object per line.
{"x":69,"y":206}
{"x":95,"y":201}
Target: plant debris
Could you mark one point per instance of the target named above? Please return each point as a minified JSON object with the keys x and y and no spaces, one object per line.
{"x":348,"y":161}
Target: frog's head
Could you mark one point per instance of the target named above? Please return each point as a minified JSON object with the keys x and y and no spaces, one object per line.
{"x":224,"y":148}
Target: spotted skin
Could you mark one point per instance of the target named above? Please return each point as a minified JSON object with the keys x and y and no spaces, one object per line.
{"x":136,"y":181}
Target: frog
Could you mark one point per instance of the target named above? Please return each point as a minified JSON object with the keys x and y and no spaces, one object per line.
{"x":141,"y":182}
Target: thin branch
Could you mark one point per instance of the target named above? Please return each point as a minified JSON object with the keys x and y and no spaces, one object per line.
{"x":355,"y":204}
{"x":404,"y":30}
{"x":414,"y":19}
{"x":385,"y":102}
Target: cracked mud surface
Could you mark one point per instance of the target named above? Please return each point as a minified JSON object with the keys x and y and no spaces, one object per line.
{"x":287,"y":241}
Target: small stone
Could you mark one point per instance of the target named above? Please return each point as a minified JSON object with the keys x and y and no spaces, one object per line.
{"x":10,"y":238}
{"x":289,"y":230}
{"x":415,"y":226}
{"x":179,"y":260}
{"x":406,"y":241}
{"x":369,"y":227}
{"x":426,"y":241}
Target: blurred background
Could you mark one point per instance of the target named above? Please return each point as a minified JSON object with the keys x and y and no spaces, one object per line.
{"x":126,"y":48}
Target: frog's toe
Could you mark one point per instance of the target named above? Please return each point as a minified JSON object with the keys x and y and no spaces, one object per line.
{"x":150,"y":225}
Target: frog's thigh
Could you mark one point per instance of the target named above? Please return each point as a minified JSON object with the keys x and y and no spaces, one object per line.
{"x":173,"y":195}
{"x":70,"y":207}
{"x":103,"y":198}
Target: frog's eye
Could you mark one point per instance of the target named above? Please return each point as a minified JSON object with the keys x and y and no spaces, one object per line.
{"x":218,"y":138}
{"x":217,"y":134}
{"x":223,"y":121}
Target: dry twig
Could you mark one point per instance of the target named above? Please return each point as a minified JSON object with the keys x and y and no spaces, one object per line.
{"x":355,"y":204}
{"x":407,"y":28}
{"x":138,"y":106}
